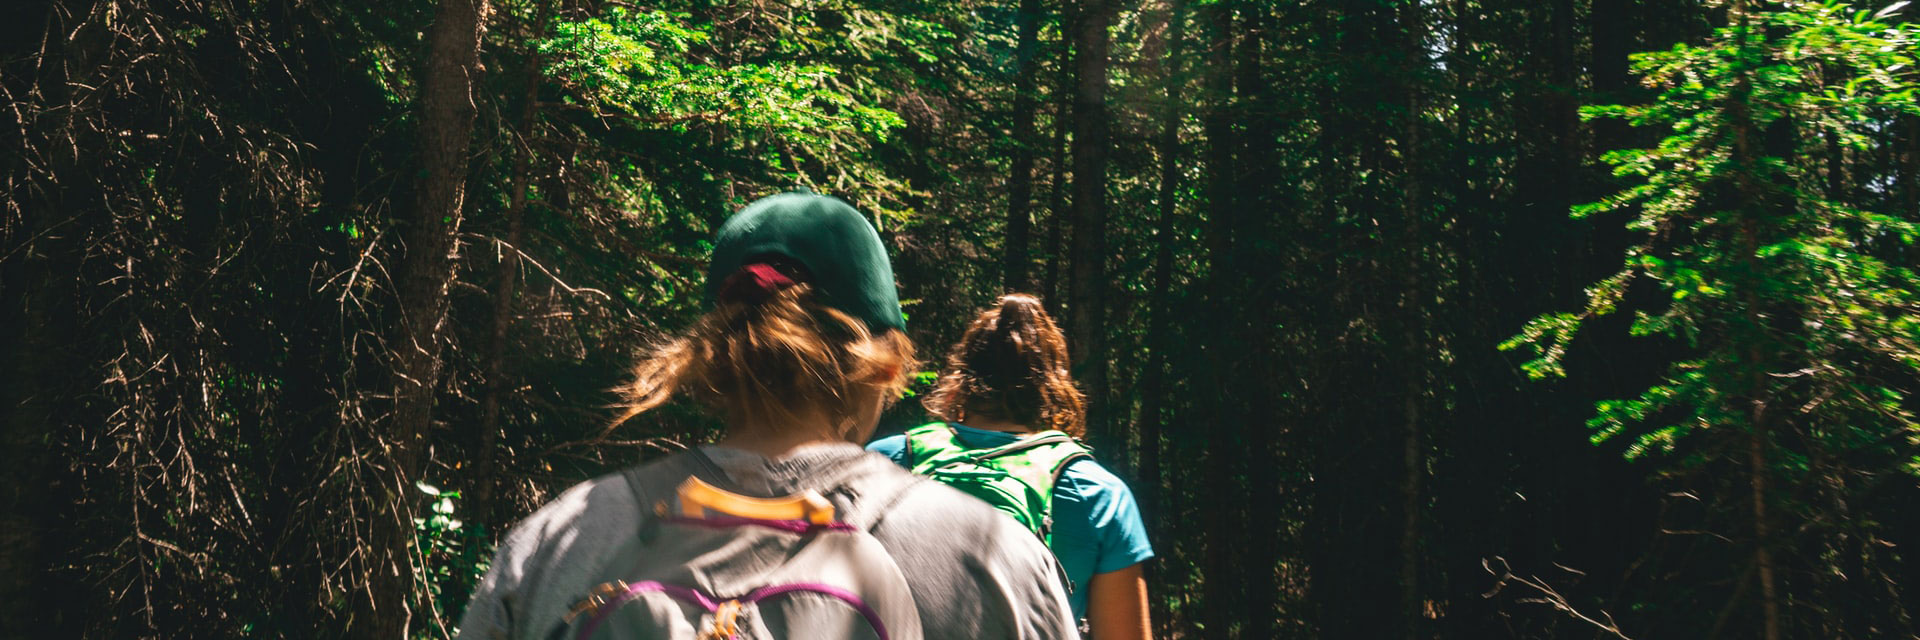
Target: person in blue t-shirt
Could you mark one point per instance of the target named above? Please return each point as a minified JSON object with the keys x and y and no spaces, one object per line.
{"x":1007,"y":378}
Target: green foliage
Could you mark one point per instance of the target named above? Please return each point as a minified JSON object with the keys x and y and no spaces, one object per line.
{"x":1783,"y":287}
{"x":642,"y":65}
{"x":199,"y":238}
{"x":454,"y":554}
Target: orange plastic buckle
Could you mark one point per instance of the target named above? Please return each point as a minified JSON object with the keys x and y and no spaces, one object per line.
{"x":697,"y":498}
{"x":597,"y":597}
{"x":726,"y":622}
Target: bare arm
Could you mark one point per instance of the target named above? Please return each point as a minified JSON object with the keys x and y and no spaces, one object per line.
{"x":1117,"y":605}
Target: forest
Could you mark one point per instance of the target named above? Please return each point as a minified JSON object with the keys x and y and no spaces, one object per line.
{"x":1403,"y":318}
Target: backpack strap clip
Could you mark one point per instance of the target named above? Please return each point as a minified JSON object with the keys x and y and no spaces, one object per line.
{"x":597,"y":597}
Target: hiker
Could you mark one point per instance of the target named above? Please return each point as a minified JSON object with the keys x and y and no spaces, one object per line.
{"x":1011,"y":415}
{"x":786,"y":528}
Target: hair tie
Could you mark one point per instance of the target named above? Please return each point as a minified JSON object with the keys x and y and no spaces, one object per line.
{"x":755,"y":283}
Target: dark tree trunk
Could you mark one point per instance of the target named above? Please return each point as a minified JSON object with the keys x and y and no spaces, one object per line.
{"x":1221,"y":612}
{"x":1153,"y":392}
{"x":446,"y":123}
{"x":1362,"y":576}
{"x":42,"y":350}
{"x":1836,"y":168}
{"x":1057,"y":194}
{"x":1153,"y":383}
{"x":37,"y":344}
{"x":37,"y":323}
{"x":1259,"y":203}
{"x":1087,"y":306}
{"x":1412,"y":358}
{"x":1612,"y":43}
{"x":497,"y":382}
{"x":506,"y":286}
{"x":1909,"y":155}
{"x":1747,"y":149}
{"x":1020,"y":183}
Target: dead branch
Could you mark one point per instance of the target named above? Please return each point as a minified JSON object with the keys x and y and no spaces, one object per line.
{"x":1546,"y":595}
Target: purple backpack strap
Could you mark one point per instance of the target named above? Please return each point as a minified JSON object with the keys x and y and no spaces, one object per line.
{"x":863,"y":487}
{"x":696,"y":597}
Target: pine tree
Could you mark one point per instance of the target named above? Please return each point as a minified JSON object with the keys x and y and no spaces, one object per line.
{"x":1799,"y":350}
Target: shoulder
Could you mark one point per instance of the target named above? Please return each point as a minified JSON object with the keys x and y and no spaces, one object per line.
{"x":541,"y":553}
{"x":974,"y":572}
{"x":894,"y":447}
{"x":582,"y":521}
{"x":572,"y":506}
{"x":587,"y":511}
{"x":551,"y":557}
{"x":1086,"y":480}
{"x":608,"y":496}
{"x":935,"y":520}
{"x":1095,"y":495}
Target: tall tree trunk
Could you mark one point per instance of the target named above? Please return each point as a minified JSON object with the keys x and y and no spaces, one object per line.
{"x":1153,"y":384}
{"x":1757,"y":443}
{"x":497,"y":383}
{"x":446,"y":124}
{"x":43,"y":348}
{"x":1413,"y":357}
{"x":38,"y":342}
{"x":1909,"y":154}
{"x":1259,"y":172}
{"x":38,"y":321}
{"x":506,"y":283}
{"x":1222,"y":559}
{"x":1612,"y":42}
{"x":1753,"y":204}
{"x":1020,"y":183}
{"x":1836,"y":168}
{"x":1087,"y":308}
{"x":1057,"y":195}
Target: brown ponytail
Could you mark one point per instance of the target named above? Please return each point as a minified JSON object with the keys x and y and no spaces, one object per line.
{"x":769,"y":359}
{"x":1011,"y":365}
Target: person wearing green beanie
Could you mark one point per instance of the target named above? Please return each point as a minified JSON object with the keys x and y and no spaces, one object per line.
{"x":801,"y":348}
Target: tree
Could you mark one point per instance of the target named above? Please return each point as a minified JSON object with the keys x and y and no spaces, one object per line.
{"x":1020,"y":185}
{"x":1285,"y":238}
{"x":447,"y":97}
{"x":1800,"y":350}
{"x":1088,"y":299}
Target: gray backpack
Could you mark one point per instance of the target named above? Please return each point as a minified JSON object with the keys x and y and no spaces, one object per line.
{"x":713,"y":576}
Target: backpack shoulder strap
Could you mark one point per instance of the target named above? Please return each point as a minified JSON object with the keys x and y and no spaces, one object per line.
{"x":928,"y":441}
{"x":1034,"y":442}
{"x":652,"y":484}
{"x":1040,"y":459}
{"x":632,"y":476}
{"x":872,"y":487}
{"x":1057,"y":449}
{"x":1060,"y":468}
{"x":673,"y":469}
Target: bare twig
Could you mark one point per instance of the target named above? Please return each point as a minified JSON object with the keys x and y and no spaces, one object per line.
{"x":543,"y":269}
{"x":1547,"y":595}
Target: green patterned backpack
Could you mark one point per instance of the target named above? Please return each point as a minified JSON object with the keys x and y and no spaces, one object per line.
{"x":1016,"y":477}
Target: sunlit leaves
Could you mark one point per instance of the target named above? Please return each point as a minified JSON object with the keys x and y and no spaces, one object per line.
{"x":1739,"y":232}
{"x":641,"y":65}
{"x":454,"y":555}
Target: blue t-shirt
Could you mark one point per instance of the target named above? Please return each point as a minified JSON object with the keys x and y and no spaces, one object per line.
{"x":1096,"y":523}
